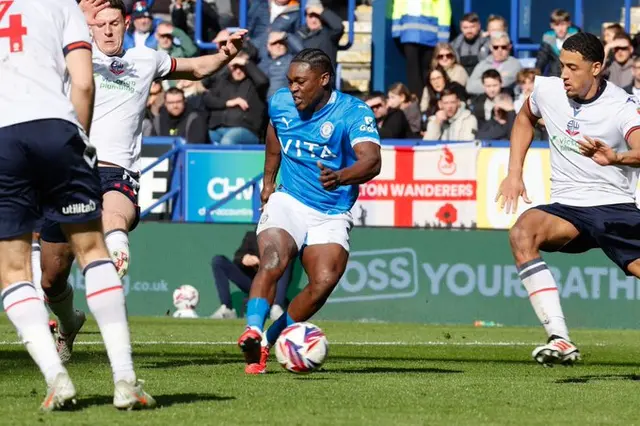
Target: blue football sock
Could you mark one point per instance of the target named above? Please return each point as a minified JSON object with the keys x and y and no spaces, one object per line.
{"x":257,"y":310}
{"x":276,"y":328}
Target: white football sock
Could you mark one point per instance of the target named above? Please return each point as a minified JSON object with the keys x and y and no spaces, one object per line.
{"x":105,"y":297}
{"x":36,"y":270}
{"x":28,"y":314}
{"x":62,"y":307}
{"x":118,"y":245}
{"x":544,"y":296}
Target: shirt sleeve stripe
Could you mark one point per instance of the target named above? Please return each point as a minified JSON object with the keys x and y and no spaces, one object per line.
{"x":529,"y":106}
{"x":76,"y":45}
{"x":174,"y":64}
{"x":365,"y":139}
{"x":631,"y":130}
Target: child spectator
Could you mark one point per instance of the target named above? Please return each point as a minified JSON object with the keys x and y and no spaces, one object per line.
{"x":526,"y":78}
{"x":470,"y":46}
{"x":399,"y":97}
{"x":437,"y":81}
{"x":482,"y":106}
{"x":548,"y":59}
{"x":496,"y":23}
{"x":445,"y":56}
{"x":507,"y":66}
{"x":452,"y":122}
{"x":499,"y":126}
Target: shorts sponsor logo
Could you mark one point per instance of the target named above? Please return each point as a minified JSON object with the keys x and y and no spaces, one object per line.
{"x":378,"y":274}
{"x":79,"y":208}
{"x":326,"y":130}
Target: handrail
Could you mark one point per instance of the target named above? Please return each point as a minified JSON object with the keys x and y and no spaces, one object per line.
{"x":207,"y":45}
{"x":254,"y":200}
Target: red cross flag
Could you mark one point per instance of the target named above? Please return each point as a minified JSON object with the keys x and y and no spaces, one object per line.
{"x":421,"y":186}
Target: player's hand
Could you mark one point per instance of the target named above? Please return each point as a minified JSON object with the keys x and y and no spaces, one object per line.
{"x":233,"y":45}
{"x":598,"y":151}
{"x":90,"y":8}
{"x":222,"y":36}
{"x":510,"y":190}
{"x":330,"y":178}
{"x":250,"y":260}
{"x":266,"y":192}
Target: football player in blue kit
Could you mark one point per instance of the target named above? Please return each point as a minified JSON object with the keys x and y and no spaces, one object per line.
{"x":324,"y":143}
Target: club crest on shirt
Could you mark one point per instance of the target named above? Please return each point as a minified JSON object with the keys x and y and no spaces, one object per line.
{"x":326,"y":130}
{"x":116,"y":67}
{"x":573,"y":128}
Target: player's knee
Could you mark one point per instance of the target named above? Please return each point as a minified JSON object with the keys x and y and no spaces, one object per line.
{"x":114,"y":220}
{"x":55,"y":270}
{"x":522,"y":237}
{"x":272,"y":261}
{"x":324,"y":282}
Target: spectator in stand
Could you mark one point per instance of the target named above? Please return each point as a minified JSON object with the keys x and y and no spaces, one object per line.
{"x":619,"y":71}
{"x":634,"y":88}
{"x":399,"y":97}
{"x":507,"y":66}
{"x":237,"y":103}
{"x":392,"y":123}
{"x":176,"y":119}
{"x":495,"y":24}
{"x":445,"y":56}
{"x":452,"y":122}
{"x":501,"y":122}
{"x":437,"y":81}
{"x":417,"y":26}
{"x":482,"y":105}
{"x":183,"y":17}
{"x":609,"y":34}
{"x":276,"y":64}
{"x":525,"y":78}
{"x":322,"y":30}
{"x":241,"y":271}
{"x":284,"y":16}
{"x":174,"y":41}
{"x":548,"y":59}
{"x":470,"y":46}
{"x":194,"y":92}
{"x":143,"y":26}
{"x":258,"y":22}
{"x":155,"y":101}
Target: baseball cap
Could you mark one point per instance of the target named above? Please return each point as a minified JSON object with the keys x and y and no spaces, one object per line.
{"x":140,"y":10}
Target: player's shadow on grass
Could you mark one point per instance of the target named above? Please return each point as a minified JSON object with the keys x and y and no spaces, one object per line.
{"x":395,"y":370}
{"x":162,"y":400}
{"x":598,"y":378}
{"x":191,"y":361}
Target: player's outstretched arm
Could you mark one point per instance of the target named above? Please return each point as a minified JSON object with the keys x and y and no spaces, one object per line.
{"x":366,"y":167}
{"x":80,"y":68}
{"x":272,"y":159}
{"x":204,"y":66}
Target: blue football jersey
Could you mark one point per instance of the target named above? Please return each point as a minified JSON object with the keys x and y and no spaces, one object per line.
{"x":327,"y":136}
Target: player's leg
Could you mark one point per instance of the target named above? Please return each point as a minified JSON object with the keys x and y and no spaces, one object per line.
{"x":277,"y":308}
{"x":539,"y":230}
{"x":36,"y":270}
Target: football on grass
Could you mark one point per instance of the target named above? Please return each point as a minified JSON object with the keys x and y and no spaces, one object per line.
{"x":302,"y":347}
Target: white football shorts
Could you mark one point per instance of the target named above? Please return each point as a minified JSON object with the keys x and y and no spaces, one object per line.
{"x":306,"y":225}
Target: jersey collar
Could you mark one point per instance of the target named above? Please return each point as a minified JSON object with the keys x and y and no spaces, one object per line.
{"x":601,"y":89}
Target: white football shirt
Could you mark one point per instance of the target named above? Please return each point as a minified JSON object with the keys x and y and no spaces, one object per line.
{"x":35,"y":37}
{"x":122,"y":89}
{"x":611,"y":116}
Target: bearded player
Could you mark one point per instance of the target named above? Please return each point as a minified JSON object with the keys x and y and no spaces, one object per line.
{"x":595,"y":151}
{"x":324,"y":143}
{"x":122,"y":80}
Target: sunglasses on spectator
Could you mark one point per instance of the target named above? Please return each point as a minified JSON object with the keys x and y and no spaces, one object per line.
{"x":500,"y":47}
{"x":376,"y":106}
{"x":446,"y":56}
{"x":620,"y":48}
{"x":165,"y":35}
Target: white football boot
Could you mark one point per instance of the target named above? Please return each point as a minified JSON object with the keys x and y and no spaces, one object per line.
{"x":128,"y":396}
{"x":224,"y":313}
{"x":558,"y":350}
{"x":61,"y":394}
{"x":64,"y":341}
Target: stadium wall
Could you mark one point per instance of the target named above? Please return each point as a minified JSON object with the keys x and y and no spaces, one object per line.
{"x":396,"y":275}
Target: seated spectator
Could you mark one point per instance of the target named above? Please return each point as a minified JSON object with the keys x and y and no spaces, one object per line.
{"x":237,"y":103}
{"x":399,"y":97}
{"x":174,"y":41}
{"x":276,"y":64}
{"x":619,"y":71}
{"x":495,"y":24}
{"x":176,"y":119}
{"x":284,"y":16}
{"x":507,"y":66}
{"x":470,"y":46}
{"x":241,"y":271}
{"x":392,"y":123}
{"x":525,"y":79}
{"x":452,"y":122}
{"x":322,"y":30}
{"x":183,"y":17}
{"x":194,"y":92}
{"x":548,"y":59}
{"x":482,"y":105}
{"x":143,"y":26}
{"x":501,"y":122}
{"x":445,"y":56}
{"x":154,"y":103}
{"x":634,"y":88}
{"x":437,"y":81}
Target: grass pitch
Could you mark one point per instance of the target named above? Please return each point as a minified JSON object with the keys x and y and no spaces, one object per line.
{"x":376,"y":374}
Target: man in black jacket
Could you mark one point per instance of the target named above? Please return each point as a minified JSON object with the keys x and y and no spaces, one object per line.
{"x":178,"y":119}
{"x":237,"y":103}
{"x":322,"y":30}
{"x":392,"y":123}
{"x":241,"y":271}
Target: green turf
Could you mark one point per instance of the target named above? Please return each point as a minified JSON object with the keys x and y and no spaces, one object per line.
{"x":415,"y":382}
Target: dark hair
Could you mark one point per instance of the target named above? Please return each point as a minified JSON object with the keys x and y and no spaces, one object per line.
{"x":376,"y":94}
{"x":434,"y":96}
{"x":317,"y":60}
{"x":470,"y":17}
{"x":117,"y":4}
{"x":560,"y":15}
{"x":174,"y":91}
{"x":491,"y":74}
{"x":401,"y":90}
{"x":493,"y":17}
{"x":449,"y":91}
{"x":586,"y":44}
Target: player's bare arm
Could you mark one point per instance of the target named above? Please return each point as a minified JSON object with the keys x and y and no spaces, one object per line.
{"x":204,"y":66}
{"x":80,"y":69}
{"x":363,"y":170}
{"x":604,"y":155}
{"x":271,"y":164}
{"x":512,"y":187}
